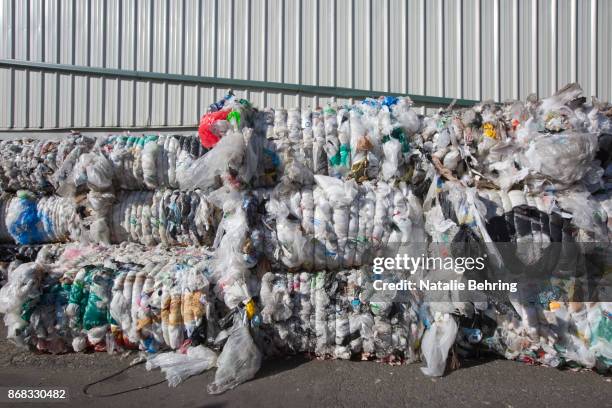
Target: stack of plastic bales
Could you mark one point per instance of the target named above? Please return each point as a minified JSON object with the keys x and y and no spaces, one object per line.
{"x":31,"y":176}
{"x":257,"y":237}
{"x":119,"y":176}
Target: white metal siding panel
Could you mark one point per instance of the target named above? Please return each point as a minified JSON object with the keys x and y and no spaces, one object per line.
{"x":506,"y":48}
{"x":475,"y":49}
{"x":469,"y":54}
{"x":604,"y":50}
{"x":362,"y":34}
{"x":415,"y":48}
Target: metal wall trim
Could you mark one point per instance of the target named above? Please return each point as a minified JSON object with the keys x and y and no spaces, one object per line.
{"x":299,"y":89}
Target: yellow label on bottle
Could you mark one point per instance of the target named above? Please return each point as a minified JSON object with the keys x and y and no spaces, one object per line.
{"x":489,"y":130}
{"x":250,"y":309}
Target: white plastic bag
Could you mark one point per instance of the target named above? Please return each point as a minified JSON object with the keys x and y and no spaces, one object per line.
{"x":392,"y":149}
{"x":563,"y":157}
{"x":178,"y":367}
{"x":239,"y":361}
{"x":23,"y":286}
{"x":436,"y":344}
{"x":99,"y":171}
{"x":203,"y":172}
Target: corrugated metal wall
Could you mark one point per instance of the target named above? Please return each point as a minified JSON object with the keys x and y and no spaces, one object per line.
{"x":475,"y":49}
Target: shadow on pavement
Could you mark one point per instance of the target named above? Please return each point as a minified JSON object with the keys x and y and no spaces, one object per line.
{"x":275,"y":366}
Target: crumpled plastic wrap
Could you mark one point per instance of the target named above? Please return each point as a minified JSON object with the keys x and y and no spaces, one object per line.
{"x":563,"y":157}
{"x":223,"y":162}
{"x":177,"y":366}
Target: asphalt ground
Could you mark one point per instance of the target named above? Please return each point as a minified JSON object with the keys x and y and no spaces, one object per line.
{"x":299,"y":382}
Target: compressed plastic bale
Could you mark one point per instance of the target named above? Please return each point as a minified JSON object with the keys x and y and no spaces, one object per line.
{"x":321,"y":314}
{"x":145,"y":162}
{"x":34,"y":221}
{"x":40,"y":165}
{"x":169,"y":217}
{"x":342,"y":228}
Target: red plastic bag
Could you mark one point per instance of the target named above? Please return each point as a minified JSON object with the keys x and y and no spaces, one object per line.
{"x":207,"y":137}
